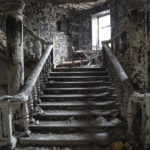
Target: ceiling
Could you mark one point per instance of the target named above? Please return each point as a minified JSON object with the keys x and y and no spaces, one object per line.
{"x":69,"y":1}
{"x":76,"y":4}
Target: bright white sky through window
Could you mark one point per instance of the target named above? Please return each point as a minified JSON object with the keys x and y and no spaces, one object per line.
{"x":101,"y":31}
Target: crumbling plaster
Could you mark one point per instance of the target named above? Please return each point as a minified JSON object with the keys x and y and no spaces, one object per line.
{"x":42,"y":19}
{"x":131,"y":47}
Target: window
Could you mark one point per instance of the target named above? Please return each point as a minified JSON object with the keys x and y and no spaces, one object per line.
{"x":63,"y":26}
{"x":101,"y":29}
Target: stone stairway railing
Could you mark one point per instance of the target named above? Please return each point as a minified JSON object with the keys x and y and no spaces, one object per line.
{"x":131,"y":99}
{"x":16,"y":112}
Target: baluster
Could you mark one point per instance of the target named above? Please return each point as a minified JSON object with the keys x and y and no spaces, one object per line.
{"x":38,"y":91}
{"x":42,"y":85}
{"x":31,"y":109}
{"x":25,"y":119}
{"x":52,"y":58}
{"x":45,"y":73}
{"x":48,"y":68}
{"x":34,"y":99}
{"x":48,"y":65}
{"x":35,"y":95}
{"x":41,"y":80}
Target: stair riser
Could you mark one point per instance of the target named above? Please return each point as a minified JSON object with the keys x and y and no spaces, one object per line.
{"x":77,"y":91}
{"x":67,"y":117}
{"x":78,"y":69}
{"x":65,"y":99}
{"x":62,"y":143}
{"x":78,"y":107}
{"x":66,"y":130}
{"x":76,"y":85}
{"x":79,"y":79}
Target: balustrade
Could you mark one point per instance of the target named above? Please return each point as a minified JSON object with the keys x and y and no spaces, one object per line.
{"x":17,"y":111}
{"x":131,"y":98}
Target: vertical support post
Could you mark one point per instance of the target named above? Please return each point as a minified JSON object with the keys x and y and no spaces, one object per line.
{"x":147,"y":122}
{"x":138,"y":48}
{"x":6,"y":129}
{"x":14,"y":33}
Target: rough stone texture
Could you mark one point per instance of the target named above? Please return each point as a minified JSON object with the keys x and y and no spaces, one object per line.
{"x":131,"y":47}
{"x":42,"y":19}
{"x":81,"y":27}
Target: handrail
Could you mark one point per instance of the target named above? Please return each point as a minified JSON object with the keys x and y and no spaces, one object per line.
{"x":132,"y":97}
{"x":28,"y":86}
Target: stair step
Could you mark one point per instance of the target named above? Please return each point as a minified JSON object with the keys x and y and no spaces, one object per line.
{"x":77,"y":114}
{"x":66,"y":97}
{"x":77,"y":105}
{"x":65,"y":139}
{"x":72,"y":126}
{"x":85,"y":73}
{"x":78,"y":69}
{"x":78,"y":84}
{"x":79,"y":78}
{"x":77,"y":97}
{"x":77,"y":90}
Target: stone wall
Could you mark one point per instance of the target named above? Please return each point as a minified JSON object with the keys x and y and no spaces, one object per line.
{"x":42,"y":19}
{"x":131,"y":47}
{"x":81,"y":27}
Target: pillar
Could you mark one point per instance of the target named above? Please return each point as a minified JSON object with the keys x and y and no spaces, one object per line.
{"x":14,"y":33}
{"x":138,"y":45}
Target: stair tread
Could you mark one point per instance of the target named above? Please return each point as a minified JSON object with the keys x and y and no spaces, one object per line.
{"x":78,"y":72}
{"x":101,"y":122}
{"x":77,"y":112}
{"x":64,"y":139}
{"x":86,"y":103}
{"x":83,"y":88}
{"x":76,"y":82}
{"x":75,"y":95}
{"x":80,"y":69}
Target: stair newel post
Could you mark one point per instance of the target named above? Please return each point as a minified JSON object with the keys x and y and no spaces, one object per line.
{"x":14,"y":34}
{"x":6,"y":128}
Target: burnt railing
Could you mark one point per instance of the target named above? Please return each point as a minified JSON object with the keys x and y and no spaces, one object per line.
{"x":131,"y":99}
{"x":16,"y":112}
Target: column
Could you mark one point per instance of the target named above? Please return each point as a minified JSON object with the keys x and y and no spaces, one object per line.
{"x":14,"y":33}
{"x":138,"y":45}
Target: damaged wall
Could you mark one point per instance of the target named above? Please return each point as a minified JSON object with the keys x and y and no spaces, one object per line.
{"x":42,"y":19}
{"x":81,"y":27}
{"x":131,"y":47}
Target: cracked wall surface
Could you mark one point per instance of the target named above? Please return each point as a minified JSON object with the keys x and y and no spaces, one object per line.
{"x":131,"y":47}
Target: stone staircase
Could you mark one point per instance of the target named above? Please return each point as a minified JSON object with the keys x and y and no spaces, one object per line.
{"x":80,"y":111}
